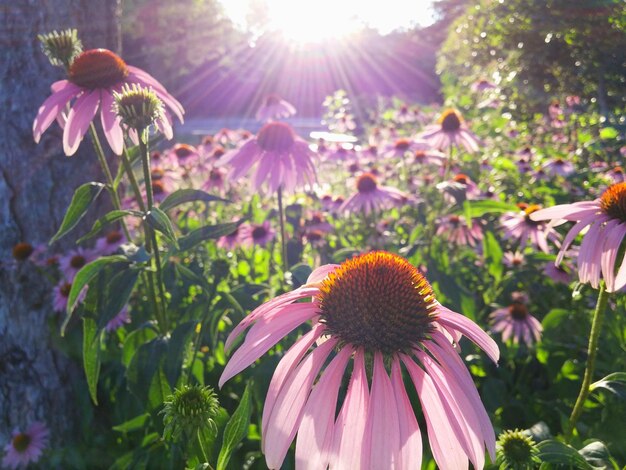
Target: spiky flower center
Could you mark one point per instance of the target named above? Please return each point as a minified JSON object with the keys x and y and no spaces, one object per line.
{"x":78,"y":261}
{"x":259,"y":232}
{"x":65,"y":289}
{"x":21,"y":442}
{"x":518,"y":311}
{"x":618,"y":170}
{"x":516,"y":450}
{"x":528,"y":209}
{"x":61,"y":47}
{"x":461,"y":179}
{"x":113,"y":237}
{"x":378,"y":301}
{"x":450,"y":120}
{"x":454,"y":220}
{"x":402,"y":145}
{"x":158,"y":187}
{"x":420,"y":156}
{"x":22,"y":251}
{"x":138,"y":107}
{"x":366,"y":183}
{"x":613,"y":201}
{"x":276,"y":137}
{"x":183,"y":151}
{"x":98,"y":68}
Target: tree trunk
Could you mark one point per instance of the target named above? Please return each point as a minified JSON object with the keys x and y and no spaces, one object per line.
{"x":36,"y":185}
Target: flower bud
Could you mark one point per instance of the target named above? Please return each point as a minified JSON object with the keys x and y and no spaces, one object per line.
{"x":61,"y":48}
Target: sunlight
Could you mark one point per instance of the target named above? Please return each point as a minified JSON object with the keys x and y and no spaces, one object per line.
{"x":314,"y":21}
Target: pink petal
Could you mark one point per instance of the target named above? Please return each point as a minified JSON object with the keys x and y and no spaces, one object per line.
{"x":410,"y":436}
{"x":265,"y":334}
{"x":612,"y":243}
{"x":111,"y":124}
{"x":285,"y":418}
{"x":51,"y":108}
{"x":383,"y":421}
{"x":470,"y":329}
{"x":321,"y":273}
{"x":447,"y":449}
{"x":350,"y":439}
{"x":573,"y":212}
{"x":78,"y":121}
{"x":315,"y":435}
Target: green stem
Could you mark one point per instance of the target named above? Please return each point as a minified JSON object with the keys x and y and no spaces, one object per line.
{"x":133,"y":181}
{"x":107,"y":173}
{"x":204,"y":454}
{"x":592,"y":350}
{"x":283,"y":241}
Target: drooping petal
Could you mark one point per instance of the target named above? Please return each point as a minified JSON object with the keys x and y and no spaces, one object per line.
{"x":78,"y":121}
{"x":614,"y":238}
{"x":285,"y":418}
{"x":51,"y":108}
{"x":111,"y":124}
{"x":383,"y":422}
{"x":410,"y":436}
{"x":319,"y":274}
{"x":315,"y":435}
{"x":350,"y":435}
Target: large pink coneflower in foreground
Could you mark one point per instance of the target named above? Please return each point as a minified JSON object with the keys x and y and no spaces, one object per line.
{"x":370,"y":196}
{"x":26,"y":447}
{"x":523,"y":227}
{"x":274,"y":107}
{"x":282,"y":159}
{"x":450,"y":131}
{"x":605,"y":219}
{"x":515,"y":322}
{"x":93,"y":77}
{"x":376,"y":309}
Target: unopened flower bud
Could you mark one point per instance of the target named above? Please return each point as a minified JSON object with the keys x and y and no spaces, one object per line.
{"x":61,"y":48}
{"x":516,"y":451}
{"x":189,"y":409}
{"x":138,"y":107}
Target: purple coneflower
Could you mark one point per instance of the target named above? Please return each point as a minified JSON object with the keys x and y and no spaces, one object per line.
{"x":375,"y":308}
{"x":181,"y":155}
{"x":513,"y":260}
{"x":61,"y":292}
{"x":370,"y":196}
{"x":401,"y":146}
{"x":459,"y":188}
{"x":449,"y":131}
{"x":282,"y":159}
{"x":109,"y":244}
{"x":616,"y":174}
{"x":515,"y":322}
{"x":522,"y":227}
{"x":74,"y":261}
{"x":429,"y":157}
{"x":558,"y":166}
{"x":274,"y":107}
{"x":605,"y":219}
{"x":482,"y":85}
{"x":119,"y":320}
{"x":456,"y":230}
{"x":230,"y":241}
{"x":557,"y":273}
{"x":93,"y":77}
{"x":26,"y":447}
{"x":256,"y":235}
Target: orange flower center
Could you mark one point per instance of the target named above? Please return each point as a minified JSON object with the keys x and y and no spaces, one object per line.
{"x":98,"y":68}
{"x":461,"y":179}
{"x":402,"y":144}
{"x":518,"y":311}
{"x":114,"y":237}
{"x":613,"y":201}
{"x":378,"y":301}
{"x":158,"y":187}
{"x":450,"y":120}
{"x":22,"y":251}
{"x":183,"y":151}
{"x":78,"y":261}
{"x":275,"y":137}
{"x":366,"y":183}
{"x":21,"y":442}
{"x":65,"y":289}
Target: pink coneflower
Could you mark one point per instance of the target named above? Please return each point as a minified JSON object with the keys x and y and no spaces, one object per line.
{"x":26,"y":447}
{"x":605,"y":219}
{"x":374,"y":308}
{"x":93,"y":77}
{"x":513,"y":260}
{"x":401,"y":146}
{"x":215,"y":180}
{"x":317,"y":221}
{"x":256,"y":235}
{"x":459,"y":188}
{"x":429,"y":157}
{"x":370,"y":196}
{"x":274,"y":107}
{"x":515,"y":322}
{"x":482,"y":85}
{"x":282,"y":159}
{"x":558,"y":166}
{"x":616,"y":174}
{"x":61,"y":292}
{"x":230,"y":241}
{"x":109,"y":244}
{"x":557,"y":273}
{"x":119,"y":320}
{"x":520,"y":226}
{"x":74,"y":261}
{"x":449,"y":131}
{"x":456,"y":230}
{"x":181,"y":155}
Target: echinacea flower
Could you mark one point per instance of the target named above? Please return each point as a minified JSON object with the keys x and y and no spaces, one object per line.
{"x":450,"y":131}
{"x":256,"y":234}
{"x":60,"y":294}
{"x":456,"y":230}
{"x":370,"y":196}
{"x":401,"y":146}
{"x":282,"y":159}
{"x":26,"y":447}
{"x":274,"y":107}
{"x":109,"y":244}
{"x":605,"y":218}
{"x":516,"y":450}
{"x":558,"y":166}
{"x":119,"y":320}
{"x":517,"y":323}
{"x":522,"y":226}
{"x":74,"y":261}
{"x":513,"y":260}
{"x":93,"y":77}
{"x":375,"y":308}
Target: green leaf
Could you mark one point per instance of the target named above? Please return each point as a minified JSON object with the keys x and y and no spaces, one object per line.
{"x":236,"y":429}
{"x":160,"y":221}
{"x":82,"y":278}
{"x":608,"y":133}
{"x":614,"y":383}
{"x":136,"y":338}
{"x":474,"y":209}
{"x":209,"y":232}
{"x":91,"y":356}
{"x":176,"y":348}
{"x":556,"y":452}
{"x":133,"y":424}
{"x":299,"y":274}
{"x":493,"y":255}
{"x":107,"y":219}
{"x":118,"y":291}
{"x":82,"y":199}
{"x":597,"y":454}
{"x":144,"y":364}
{"x":555,"y":317}
{"x":182,"y":196}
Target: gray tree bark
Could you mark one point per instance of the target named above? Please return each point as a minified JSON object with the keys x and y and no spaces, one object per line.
{"x":36,"y":185}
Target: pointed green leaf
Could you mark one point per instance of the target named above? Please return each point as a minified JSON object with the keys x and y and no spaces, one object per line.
{"x":91,"y":356}
{"x":133,"y":424}
{"x":117,"y":292}
{"x":107,"y":219}
{"x":82,"y":199}
{"x":556,"y":452}
{"x":176,"y":348}
{"x":474,"y":209}
{"x":144,"y":364}
{"x":160,"y":221}
{"x":614,"y":383}
{"x":236,"y":429}
{"x":182,"y":196}
{"x":209,"y":232}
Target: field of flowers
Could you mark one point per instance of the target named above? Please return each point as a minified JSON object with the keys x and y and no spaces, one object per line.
{"x":430,"y":287}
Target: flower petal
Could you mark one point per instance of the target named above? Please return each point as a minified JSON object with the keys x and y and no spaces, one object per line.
{"x":78,"y":121}
{"x":410,"y":436}
{"x":51,"y":108}
{"x":111,"y":124}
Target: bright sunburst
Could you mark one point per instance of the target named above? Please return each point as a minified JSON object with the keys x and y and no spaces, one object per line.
{"x":309,"y":21}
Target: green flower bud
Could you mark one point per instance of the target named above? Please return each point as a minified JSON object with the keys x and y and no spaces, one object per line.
{"x":515,"y":450}
{"x":61,"y":48}
{"x":188,"y":410}
{"x":138,"y":107}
